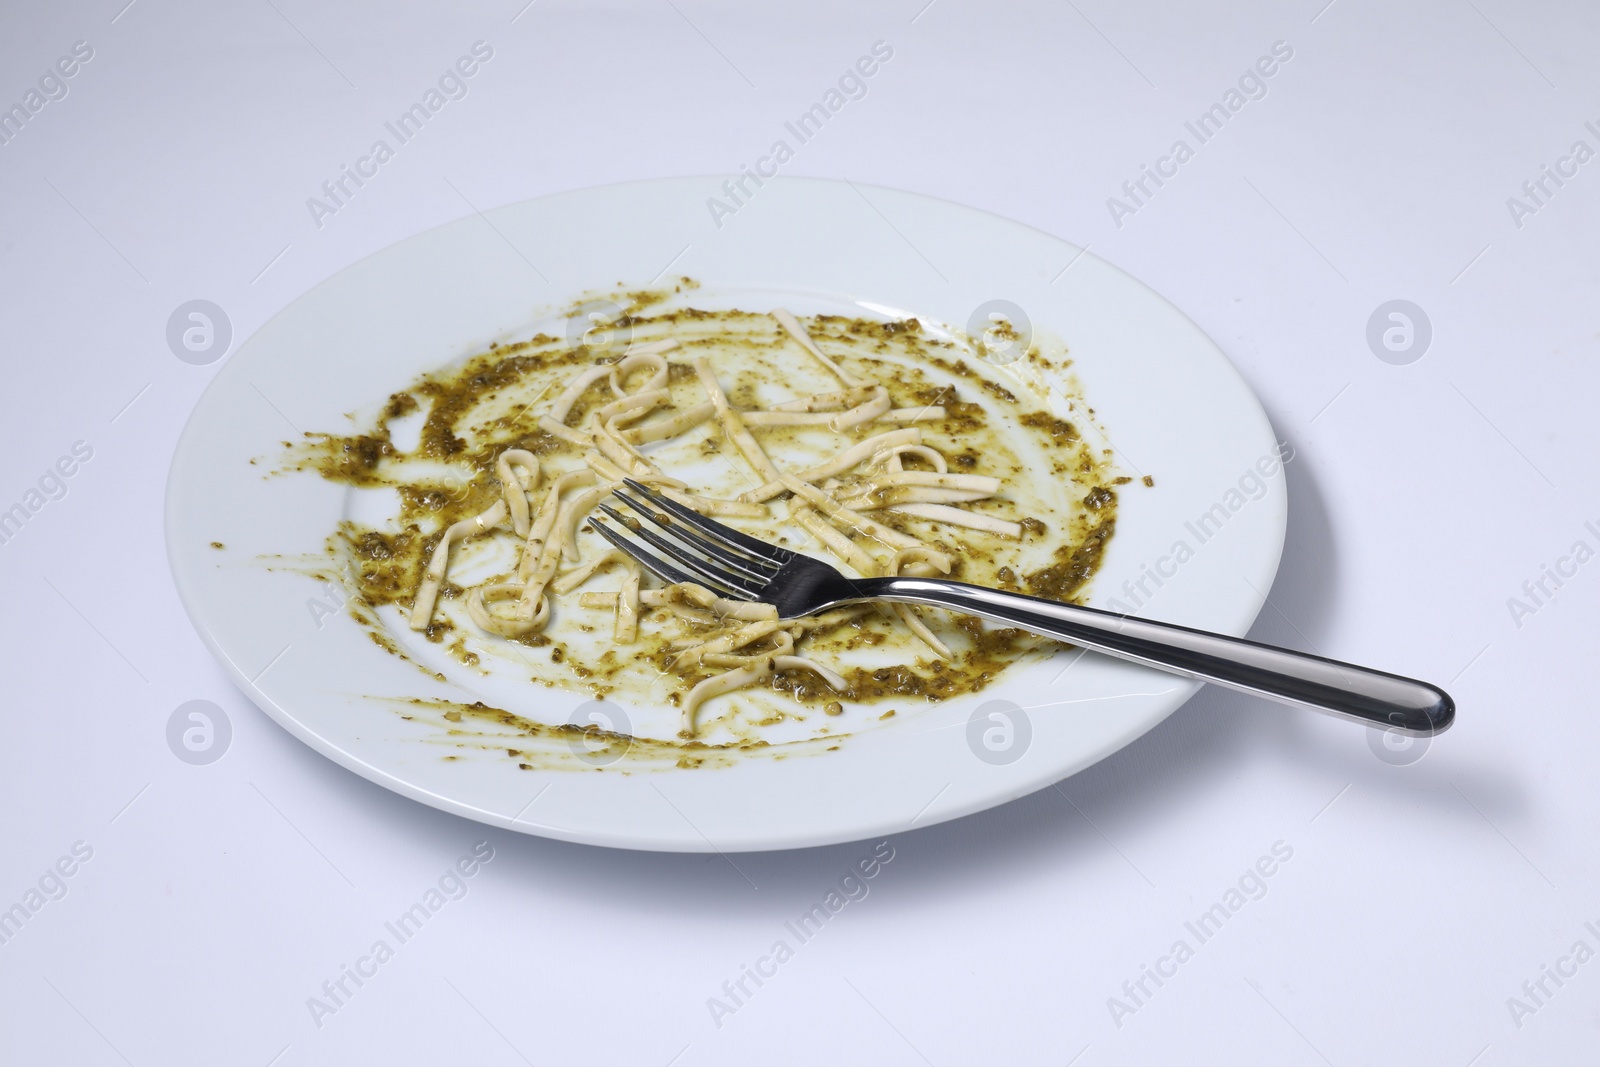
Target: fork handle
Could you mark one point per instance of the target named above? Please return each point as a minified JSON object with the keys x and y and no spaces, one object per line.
{"x":1404,"y":705}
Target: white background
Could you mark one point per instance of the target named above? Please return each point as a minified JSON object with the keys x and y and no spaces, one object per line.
{"x":1422,"y":893}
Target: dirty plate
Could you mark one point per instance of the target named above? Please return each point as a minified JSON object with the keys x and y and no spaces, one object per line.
{"x":1200,"y":547}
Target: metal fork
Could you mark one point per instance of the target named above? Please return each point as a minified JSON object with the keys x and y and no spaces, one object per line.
{"x":737,"y":566}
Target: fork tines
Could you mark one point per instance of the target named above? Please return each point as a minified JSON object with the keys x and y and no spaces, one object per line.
{"x":730,"y":563}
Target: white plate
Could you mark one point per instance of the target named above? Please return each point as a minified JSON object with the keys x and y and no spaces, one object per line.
{"x":1166,"y":395}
